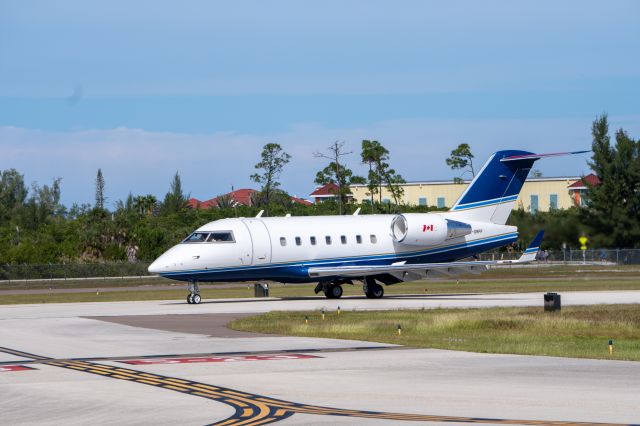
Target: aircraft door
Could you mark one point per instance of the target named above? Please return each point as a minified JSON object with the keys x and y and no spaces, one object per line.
{"x":260,"y":241}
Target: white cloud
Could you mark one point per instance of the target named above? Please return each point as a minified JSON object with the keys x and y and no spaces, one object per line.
{"x":143,"y":161}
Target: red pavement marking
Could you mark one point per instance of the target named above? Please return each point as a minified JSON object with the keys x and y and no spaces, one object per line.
{"x":217,"y":359}
{"x":6,"y":368}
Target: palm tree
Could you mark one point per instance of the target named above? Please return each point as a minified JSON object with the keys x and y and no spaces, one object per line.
{"x":139,"y":203}
{"x":225,"y":201}
{"x":150,"y":203}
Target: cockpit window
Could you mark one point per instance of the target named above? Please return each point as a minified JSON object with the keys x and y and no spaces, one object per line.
{"x":221,"y":237}
{"x":210,"y":237}
{"x":197,"y":237}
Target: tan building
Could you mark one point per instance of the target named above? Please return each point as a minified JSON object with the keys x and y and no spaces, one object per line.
{"x":538,"y":194}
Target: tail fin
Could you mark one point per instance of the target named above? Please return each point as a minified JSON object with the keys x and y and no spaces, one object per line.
{"x":531,"y":251}
{"x":493,"y":192}
{"x":529,"y":254}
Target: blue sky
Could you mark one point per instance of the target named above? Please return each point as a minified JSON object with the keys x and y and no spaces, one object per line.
{"x":142,"y":89}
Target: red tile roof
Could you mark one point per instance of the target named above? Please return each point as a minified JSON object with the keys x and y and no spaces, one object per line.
{"x":194,"y":203}
{"x":328,"y":190}
{"x":590,"y":179}
{"x":301,"y":201}
{"x":239,"y":196}
{"x":242,"y":196}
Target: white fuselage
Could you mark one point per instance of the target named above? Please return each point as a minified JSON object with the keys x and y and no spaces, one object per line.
{"x":283,"y":248}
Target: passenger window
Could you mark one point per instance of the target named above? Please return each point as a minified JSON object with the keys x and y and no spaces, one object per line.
{"x":298,"y":241}
{"x":373,"y":238}
{"x":197,"y":237}
{"x":283,"y":241}
{"x":328,"y":240}
{"x":343,"y":239}
{"x":221,"y":237}
{"x":359,"y":239}
{"x":313,"y":240}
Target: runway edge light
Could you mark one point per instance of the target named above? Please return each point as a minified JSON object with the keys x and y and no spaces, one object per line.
{"x":610,"y":346}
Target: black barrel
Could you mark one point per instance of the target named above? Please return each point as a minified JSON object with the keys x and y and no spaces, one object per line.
{"x":261,"y":289}
{"x":552,"y":302}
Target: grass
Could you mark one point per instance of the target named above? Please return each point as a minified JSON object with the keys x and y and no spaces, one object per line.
{"x":84,"y":283}
{"x":106,"y":292}
{"x":577,"y":332}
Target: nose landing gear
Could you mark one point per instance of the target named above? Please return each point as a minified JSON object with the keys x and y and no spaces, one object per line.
{"x":194,"y":297}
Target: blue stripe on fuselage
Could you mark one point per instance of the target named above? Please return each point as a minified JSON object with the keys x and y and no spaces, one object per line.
{"x":297,"y":271}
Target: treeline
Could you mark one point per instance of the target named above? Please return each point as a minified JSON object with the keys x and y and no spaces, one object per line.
{"x":36,"y":228}
{"x":43,"y":231}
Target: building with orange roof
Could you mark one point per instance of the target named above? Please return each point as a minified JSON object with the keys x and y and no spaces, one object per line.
{"x":237,"y":197}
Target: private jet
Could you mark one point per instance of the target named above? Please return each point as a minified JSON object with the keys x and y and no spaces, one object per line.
{"x":373,"y":249}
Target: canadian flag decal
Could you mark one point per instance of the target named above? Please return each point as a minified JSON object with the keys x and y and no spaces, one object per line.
{"x":426,"y":228}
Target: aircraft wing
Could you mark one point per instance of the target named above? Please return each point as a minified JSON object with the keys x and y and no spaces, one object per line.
{"x":414,"y":271}
{"x":402,"y":271}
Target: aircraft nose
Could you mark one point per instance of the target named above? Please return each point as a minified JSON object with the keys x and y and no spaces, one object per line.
{"x":156,"y":266}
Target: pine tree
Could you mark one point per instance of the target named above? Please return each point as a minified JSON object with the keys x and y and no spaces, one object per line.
{"x":461,"y":159}
{"x":380,"y":172}
{"x":613,"y":206}
{"x":99,"y":190}
{"x":273,"y":161}
{"x":375,"y":155}
{"x":174,"y":201}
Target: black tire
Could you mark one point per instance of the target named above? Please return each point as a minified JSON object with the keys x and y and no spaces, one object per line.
{"x":333,"y":292}
{"x":373,"y":291}
{"x":196,"y":299}
{"x":190,"y":299}
{"x":336,"y":291}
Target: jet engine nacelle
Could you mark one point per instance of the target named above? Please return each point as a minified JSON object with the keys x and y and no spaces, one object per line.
{"x":426,"y":229}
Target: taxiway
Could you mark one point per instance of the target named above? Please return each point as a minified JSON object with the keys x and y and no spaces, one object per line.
{"x":166,"y":362}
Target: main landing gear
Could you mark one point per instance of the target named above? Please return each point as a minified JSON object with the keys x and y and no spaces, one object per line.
{"x":372,"y":289}
{"x":331,"y":290}
{"x":194,"y":293}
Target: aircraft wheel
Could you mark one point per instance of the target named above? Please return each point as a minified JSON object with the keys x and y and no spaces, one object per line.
{"x":190,"y":299}
{"x":336,"y":291}
{"x":373,"y":290}
{"x":196,"y":299}
{"x":333,"y":292}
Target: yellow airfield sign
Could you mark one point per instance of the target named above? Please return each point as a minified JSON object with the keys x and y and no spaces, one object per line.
{"x":583,"y":242}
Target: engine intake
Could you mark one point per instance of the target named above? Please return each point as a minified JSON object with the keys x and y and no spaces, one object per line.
{"x":426,"y":229}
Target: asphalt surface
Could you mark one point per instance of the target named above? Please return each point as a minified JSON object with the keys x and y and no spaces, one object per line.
{"x":171,"y":363}
{"x":214,"y":325}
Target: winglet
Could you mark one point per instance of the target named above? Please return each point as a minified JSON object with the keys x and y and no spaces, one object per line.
{"x":260,"y":213}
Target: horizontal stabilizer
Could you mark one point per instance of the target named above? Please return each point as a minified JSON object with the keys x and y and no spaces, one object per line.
{"x":538,"y":156}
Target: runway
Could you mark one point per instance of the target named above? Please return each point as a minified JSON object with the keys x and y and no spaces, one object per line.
{"x":171,"y":363}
